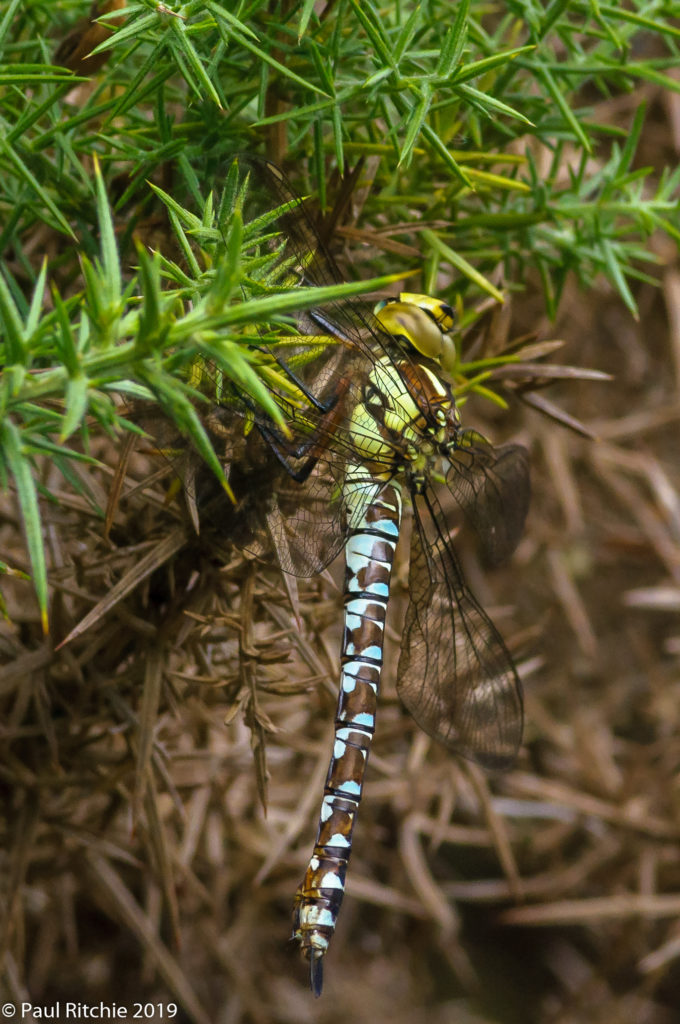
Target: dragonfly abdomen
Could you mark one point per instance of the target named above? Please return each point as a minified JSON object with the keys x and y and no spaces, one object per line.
{"x":369,"y":556}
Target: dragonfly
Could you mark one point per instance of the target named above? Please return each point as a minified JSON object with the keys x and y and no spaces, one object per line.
{"x":372,"y":421}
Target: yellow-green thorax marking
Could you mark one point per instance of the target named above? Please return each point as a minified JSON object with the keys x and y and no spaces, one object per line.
{"x":407,"y":412}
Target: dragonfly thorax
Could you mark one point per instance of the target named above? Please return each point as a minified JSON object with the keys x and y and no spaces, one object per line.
{"x":404,"y":418}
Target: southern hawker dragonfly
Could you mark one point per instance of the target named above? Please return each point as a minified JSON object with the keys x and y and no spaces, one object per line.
{"x":370,"y":419}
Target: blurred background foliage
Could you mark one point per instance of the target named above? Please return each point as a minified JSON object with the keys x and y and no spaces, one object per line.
{"x":522,"y":150}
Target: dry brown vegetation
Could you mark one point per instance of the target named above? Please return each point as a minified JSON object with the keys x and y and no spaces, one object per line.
{"x":138,"y":862}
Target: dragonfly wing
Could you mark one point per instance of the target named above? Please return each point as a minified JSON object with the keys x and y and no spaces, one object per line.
{"x":299,"y":525}
{"x":456,"y":677}
{"x":289,"y":482}
{"x":491,"y":485}
{"x":309,"y":261}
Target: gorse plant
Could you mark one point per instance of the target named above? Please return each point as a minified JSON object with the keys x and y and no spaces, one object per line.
{"x":125,"y":242}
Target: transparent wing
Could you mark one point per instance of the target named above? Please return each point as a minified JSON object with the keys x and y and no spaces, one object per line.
{"x":455,"y":675}
{"x":491,"y":485}
{"x":300,"y":527}
{"x":292,"y":506}
{"x":307,"y":259}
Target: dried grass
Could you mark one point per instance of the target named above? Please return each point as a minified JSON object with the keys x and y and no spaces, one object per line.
{"x":137,"y":861}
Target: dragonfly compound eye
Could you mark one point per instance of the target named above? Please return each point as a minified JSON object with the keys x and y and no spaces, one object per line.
{"x":441,"y":313}
{"x":422,"y":323}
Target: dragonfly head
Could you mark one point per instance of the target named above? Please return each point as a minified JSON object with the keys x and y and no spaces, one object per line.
{"x":420,"y":323}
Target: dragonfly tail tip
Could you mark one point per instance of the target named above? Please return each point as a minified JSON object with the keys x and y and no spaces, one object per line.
{"x":316,"y":974}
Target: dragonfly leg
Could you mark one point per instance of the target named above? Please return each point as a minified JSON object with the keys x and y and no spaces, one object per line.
{"x":321,"y":406}
{"x":287,"y":455}
{"x":315,"y":444}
